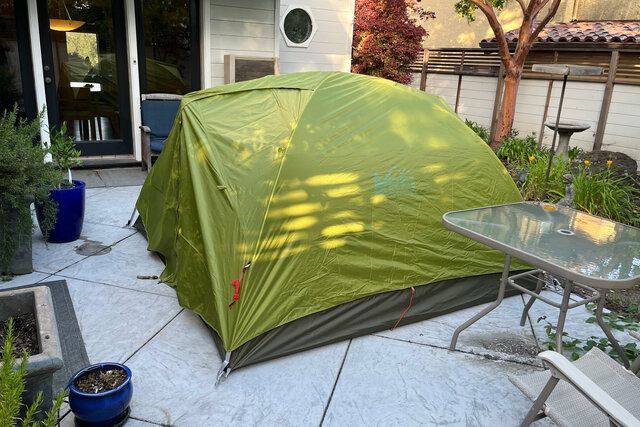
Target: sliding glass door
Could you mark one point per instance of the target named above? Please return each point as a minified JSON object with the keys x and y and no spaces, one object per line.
{"x":168,"y":45}
{"x":85,"y":72}
{"x":16,"y":67}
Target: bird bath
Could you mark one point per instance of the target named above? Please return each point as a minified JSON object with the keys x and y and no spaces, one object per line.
{"x":565,"y":70}
{"x":566,"y":128}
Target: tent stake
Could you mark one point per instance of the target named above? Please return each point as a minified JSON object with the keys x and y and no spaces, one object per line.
{"x":222,"y":370}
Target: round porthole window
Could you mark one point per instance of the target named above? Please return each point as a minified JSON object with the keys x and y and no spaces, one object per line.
{"x":298,"y":26}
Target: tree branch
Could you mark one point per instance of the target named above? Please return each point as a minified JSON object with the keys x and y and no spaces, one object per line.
{"x":523,"y":48}
{"x":522,"y":6}
{"x":539,"y":7}
{"x":503,"y":47}
{"x":532,"y":4}
{"x":552,"y":11}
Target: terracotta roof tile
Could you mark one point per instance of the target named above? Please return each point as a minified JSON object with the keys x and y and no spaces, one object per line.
{"x":584,"y":31}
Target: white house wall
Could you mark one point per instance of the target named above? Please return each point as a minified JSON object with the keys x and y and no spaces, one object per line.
{"x":251,"y":28}
{"x":476,"y":98}
{"x":240,"y":27}
{"x":623,"y":126}
{"x":330,"y":49}
{"x":443,"y":85}
{"x":582,"y":102}
{"x":532,"y":95}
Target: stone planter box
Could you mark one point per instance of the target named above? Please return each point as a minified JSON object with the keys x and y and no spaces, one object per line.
{"x":41,"y":366}
{"x":22,"y":259}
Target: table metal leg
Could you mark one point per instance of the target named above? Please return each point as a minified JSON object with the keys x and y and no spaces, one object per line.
{"x":563,"y":314}
{"x":532,"y":299}
{"x":607,"y":331}
{"x":503,"y":285}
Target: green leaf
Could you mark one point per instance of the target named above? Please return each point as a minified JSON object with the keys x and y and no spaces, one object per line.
{"x":591,"y":320}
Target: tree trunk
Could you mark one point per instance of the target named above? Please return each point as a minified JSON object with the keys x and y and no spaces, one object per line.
{"x":508,"y":109}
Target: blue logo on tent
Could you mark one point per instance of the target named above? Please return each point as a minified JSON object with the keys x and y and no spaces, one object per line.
{"x":397,"y":182}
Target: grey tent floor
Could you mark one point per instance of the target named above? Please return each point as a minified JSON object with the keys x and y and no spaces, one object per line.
{"x":401,"y":377}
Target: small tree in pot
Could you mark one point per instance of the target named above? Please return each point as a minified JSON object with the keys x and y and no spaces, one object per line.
{"x":24,"y":175}
{"x":68,"y":194}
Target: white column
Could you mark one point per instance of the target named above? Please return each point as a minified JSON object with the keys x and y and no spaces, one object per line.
{"x":205,"y":43}
{"x":276,"y":30}
{"x":134,"y":80}
{"x":36,"y":56}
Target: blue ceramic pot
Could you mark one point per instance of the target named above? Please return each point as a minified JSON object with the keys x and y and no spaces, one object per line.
{"x":70,"y":216}
{"x":100,"y":409}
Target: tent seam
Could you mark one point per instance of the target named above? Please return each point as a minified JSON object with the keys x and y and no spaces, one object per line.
{"x":284,"y":158}
{"x":277,"y":179}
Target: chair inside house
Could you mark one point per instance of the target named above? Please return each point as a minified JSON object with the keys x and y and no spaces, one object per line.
{"x":159,"y":111}
{"x":594,"y":390}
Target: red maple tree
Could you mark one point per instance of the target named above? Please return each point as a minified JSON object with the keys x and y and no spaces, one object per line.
{"x":386,"y":39}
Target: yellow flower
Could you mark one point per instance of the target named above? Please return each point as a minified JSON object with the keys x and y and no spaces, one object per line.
{"x":609,"y":162}
{"x":532,"y":158}
{"x":586,"y":162}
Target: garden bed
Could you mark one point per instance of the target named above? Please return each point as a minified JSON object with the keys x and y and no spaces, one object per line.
{"x":25,"y":334}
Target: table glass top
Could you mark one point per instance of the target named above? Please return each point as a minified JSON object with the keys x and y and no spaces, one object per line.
{"x":573,"y":240}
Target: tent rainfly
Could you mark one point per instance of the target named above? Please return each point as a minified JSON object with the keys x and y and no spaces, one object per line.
{"x":297,"y":210}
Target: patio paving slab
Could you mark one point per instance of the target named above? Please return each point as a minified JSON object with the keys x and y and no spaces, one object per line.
{"x":575,"y":324}
{"x":110,"y":177}
{"x":92,"y":192}
{"x":116,"y":322}
{"x":90,"y":177}
{"x":497,"y":335}
{"x":122,"y":265}
{"x":122,"y":176}
{"x":174,"y":376}
{"x":23,"y":279}
{"x":386,"y":382}
{"x":113,"y":207}
{"x":68,"y":421}
{"x":54,"y":257}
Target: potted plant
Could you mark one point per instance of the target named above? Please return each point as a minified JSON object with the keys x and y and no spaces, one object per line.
{"x":68,"y":194}
{"x":24,"y":175}
{"x":99,"y":395}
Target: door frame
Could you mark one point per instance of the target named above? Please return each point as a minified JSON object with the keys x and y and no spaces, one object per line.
{"x":90,"y":148}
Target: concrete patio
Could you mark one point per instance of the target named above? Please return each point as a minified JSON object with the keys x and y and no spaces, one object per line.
{"x":402,"y":377}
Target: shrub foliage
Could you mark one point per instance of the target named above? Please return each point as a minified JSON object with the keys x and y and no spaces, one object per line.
{"x":386,"y":39}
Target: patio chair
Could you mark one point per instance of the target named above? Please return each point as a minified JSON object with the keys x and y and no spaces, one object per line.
{"x":158,"y":114}
{"x":595,"y":390}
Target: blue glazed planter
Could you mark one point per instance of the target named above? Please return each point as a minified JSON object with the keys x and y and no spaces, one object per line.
{"x":70,"y":213}
{"x":101,"y":409}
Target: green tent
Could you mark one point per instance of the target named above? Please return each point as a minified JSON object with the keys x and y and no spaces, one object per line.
{"x":330,"y":189}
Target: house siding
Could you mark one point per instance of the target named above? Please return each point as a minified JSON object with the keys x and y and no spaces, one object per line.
{"x":330,"y":48}
{"x":250,"y":28}
{"x":240,"y":27}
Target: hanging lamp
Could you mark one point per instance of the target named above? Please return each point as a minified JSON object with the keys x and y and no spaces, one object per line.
{"x":65,"y":24}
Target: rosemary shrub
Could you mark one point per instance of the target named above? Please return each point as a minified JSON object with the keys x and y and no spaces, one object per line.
{"x":23,"y":173}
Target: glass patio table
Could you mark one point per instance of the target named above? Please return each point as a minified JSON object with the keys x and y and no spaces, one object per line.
{"x":585,"y":250}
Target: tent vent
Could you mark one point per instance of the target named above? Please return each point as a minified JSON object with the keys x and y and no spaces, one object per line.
{"x":242,"y":68}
